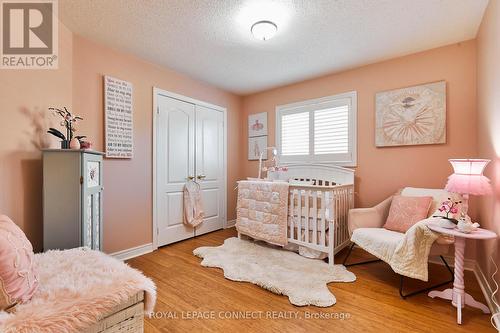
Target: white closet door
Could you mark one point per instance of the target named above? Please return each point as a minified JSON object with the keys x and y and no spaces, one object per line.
{"x":175,"y":163}
{"x":210,"y":167}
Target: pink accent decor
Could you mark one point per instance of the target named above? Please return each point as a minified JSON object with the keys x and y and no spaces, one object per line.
{"x":406,"y":211}
{"x":459,"y":298}
{"x":18,"y":278}
{"x":78,"y":287}
{"x":468,"y":177}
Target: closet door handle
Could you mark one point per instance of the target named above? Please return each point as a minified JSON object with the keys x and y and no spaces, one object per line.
{"x":200,"y":177}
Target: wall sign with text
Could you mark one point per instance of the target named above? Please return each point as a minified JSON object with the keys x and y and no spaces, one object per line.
{"x":119,"y":122}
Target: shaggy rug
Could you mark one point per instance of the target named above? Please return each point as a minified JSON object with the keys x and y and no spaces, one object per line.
{"x":77,"y":288}
{"x":303,"y":280}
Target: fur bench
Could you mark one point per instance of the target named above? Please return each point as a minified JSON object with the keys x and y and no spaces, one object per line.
{"x":85,"y":291}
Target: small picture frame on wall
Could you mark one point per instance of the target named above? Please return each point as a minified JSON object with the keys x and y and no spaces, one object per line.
{"x":256,"y":145}
{"x":257,"y":124}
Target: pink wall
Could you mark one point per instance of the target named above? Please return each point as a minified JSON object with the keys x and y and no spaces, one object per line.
{"x":488,"y":87}
{"x":25,"y":96}
{"x":128,"y":183}
{"x":381,"y":171}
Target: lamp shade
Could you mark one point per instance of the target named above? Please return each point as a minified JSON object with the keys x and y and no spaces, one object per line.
{"x":468,"y":177}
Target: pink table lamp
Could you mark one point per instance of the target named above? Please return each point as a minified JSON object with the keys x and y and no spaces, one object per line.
{"x":468,"y":179}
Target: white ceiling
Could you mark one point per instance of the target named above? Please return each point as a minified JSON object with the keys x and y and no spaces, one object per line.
{"x":210,"y":40}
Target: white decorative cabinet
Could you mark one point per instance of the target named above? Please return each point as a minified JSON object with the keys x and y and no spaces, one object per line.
{"x":72,"y":199}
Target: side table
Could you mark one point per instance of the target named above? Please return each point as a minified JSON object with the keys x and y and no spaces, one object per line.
{"x":459,"y":298}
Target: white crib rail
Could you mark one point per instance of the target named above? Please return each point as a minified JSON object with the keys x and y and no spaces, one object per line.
{"x":316,"y":210}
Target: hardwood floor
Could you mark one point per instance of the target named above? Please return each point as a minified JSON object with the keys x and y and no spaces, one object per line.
{"x":371,"y":304}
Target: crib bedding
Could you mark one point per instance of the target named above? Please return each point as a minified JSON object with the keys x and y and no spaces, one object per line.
{"x":262,"y":210}
{"x":316,"y":204}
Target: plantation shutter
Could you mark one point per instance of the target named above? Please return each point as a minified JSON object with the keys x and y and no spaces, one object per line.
{"x":295,"y":134}
{"x":331,"y":130}
{"x":322,"y":130}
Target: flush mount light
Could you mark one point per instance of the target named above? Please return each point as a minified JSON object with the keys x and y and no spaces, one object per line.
{"x":264,"y":30}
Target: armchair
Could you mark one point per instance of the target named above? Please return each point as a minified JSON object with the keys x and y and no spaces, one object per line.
{"x":369,"y":223}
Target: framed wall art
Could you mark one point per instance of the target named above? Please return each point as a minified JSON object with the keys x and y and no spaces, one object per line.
{"x":411,"y":116}
{"x":256,"y":145}
{"x":118,"y":118}
{"x":257,"y":124}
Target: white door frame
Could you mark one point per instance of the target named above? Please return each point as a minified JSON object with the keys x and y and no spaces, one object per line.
{"x":156,"y":93}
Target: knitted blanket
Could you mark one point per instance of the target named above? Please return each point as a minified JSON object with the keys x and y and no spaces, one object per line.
{"x":409,"y":257}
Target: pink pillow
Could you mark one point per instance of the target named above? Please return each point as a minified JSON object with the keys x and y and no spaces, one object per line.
{"x":406,"y":211}
{"x":18,"y":279}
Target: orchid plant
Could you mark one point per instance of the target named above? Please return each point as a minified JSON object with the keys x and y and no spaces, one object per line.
{"x":68,"y":121}
{"x":450,"y":207}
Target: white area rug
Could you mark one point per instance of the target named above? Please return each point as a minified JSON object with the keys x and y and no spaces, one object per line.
{"x":282,"y":272}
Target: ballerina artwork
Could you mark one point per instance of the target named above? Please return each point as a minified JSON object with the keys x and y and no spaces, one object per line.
{"x":257,"y":124}
{"x":256,"y":149}
{"x":256,"y":145}
{"x":411,"y":116}
{"x":257,"y":135}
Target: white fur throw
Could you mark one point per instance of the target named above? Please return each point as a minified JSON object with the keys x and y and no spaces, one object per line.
{"x":78,"y":287}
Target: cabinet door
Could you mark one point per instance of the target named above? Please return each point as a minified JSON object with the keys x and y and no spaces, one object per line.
{"x":174,"y":165}
{"x":92,"y":201}
{"x":210,"y":167}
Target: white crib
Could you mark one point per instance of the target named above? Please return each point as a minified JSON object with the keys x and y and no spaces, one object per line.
{"x":320,"y":197}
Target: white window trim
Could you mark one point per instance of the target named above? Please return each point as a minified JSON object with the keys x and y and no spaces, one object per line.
{"x":302,"y":106}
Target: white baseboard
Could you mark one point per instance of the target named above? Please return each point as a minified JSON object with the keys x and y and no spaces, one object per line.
{"x":230,"y":224}
{"x":487,"y":291}
{"x":472,"y":265}
{"x":133,"y":252}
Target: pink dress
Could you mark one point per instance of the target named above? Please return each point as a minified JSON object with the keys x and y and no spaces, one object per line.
{"x":193,"y":207}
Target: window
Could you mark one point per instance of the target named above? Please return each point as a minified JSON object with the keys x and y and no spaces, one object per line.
{"x":319,"y":130}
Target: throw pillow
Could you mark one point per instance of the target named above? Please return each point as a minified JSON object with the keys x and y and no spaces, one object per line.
{"x":406,"y":211}
{"x":18,"y":279}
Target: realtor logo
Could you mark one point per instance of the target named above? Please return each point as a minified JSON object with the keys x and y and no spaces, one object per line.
{"x":29,"y":34}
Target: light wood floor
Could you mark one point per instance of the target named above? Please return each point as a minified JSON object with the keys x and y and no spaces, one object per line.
{"x":371,"y":304}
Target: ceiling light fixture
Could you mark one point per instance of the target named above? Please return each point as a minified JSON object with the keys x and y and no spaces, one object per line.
{"x":264,"y":30}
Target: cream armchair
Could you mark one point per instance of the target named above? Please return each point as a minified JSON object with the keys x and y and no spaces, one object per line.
{"x":370,"y":221}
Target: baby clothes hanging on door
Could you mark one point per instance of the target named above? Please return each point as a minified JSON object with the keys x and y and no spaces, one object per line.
{"x":193,"y":207}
